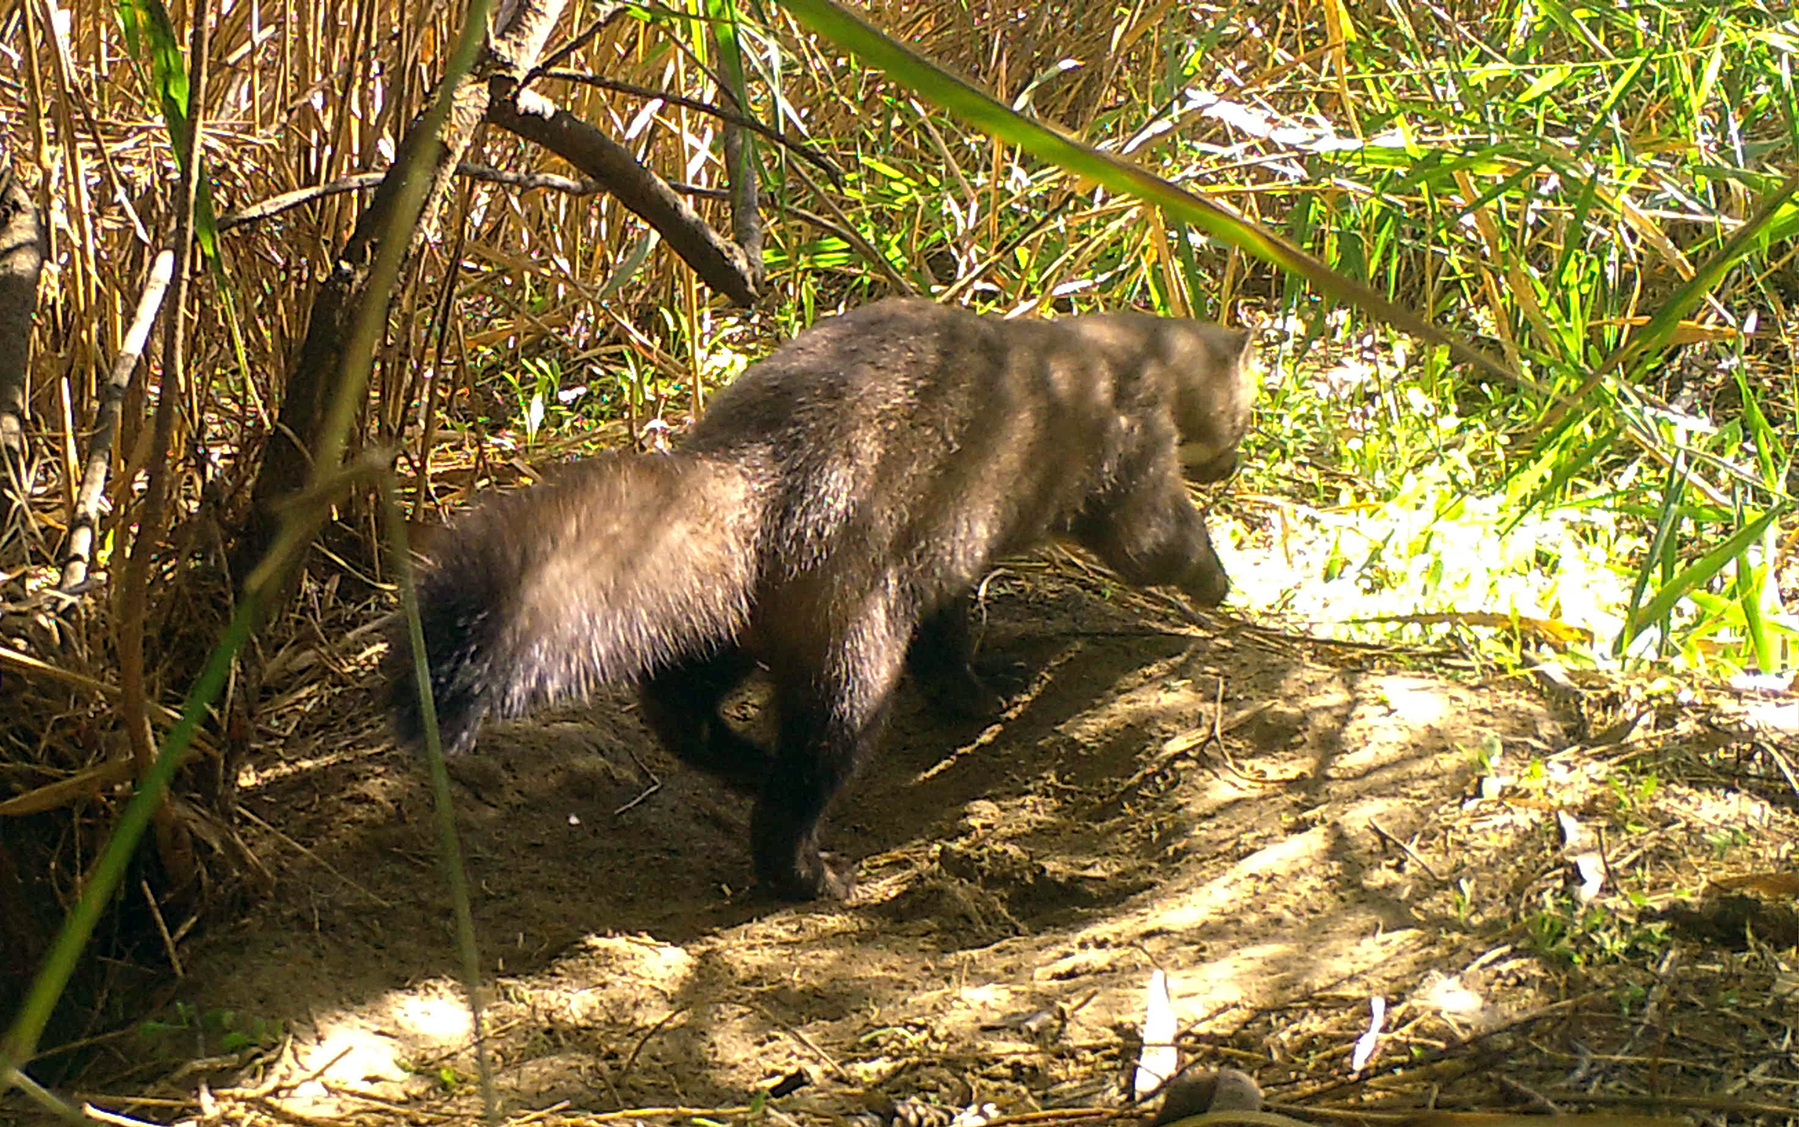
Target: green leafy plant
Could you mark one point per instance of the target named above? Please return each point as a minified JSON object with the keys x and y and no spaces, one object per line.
{"x":196,"y":1033}
{"x":447,"y":1079}
{"x":1575,"y":936}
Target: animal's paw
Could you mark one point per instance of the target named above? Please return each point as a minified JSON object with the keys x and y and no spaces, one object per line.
{"x":837,"y":877}
{"x":983,"y":693}
{"x":823,"y":876}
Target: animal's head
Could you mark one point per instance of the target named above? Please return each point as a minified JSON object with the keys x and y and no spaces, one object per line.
{"x":1216,"y":376}
{"x":1210,"y":372}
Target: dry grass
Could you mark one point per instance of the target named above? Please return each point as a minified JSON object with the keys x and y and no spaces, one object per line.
{"x":314,"y":94}
{"x":309,"y":94}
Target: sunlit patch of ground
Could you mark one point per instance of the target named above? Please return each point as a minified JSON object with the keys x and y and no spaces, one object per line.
{"x":1290,"y":830}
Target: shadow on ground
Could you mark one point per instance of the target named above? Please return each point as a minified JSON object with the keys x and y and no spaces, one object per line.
{"x":1215,"y":802}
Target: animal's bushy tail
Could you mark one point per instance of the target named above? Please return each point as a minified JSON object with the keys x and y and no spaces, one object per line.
{"x":615,"y":565}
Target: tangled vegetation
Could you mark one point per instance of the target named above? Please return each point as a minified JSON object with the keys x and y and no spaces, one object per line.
{"x":1589,"y":465}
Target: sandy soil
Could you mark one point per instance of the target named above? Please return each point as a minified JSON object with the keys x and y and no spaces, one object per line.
{"x":1213,"y":801}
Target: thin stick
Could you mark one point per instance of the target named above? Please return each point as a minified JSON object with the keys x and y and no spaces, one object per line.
{"x":162,"y":928}
{"x":320,"y":861}
{"x":728,"y":115}
{"x":106,"y":423}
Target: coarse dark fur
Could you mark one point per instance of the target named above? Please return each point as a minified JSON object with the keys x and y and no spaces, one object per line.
{"x":831,"y":512}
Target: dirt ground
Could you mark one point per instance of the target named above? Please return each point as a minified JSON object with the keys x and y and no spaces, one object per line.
{"x":1294,"y":833}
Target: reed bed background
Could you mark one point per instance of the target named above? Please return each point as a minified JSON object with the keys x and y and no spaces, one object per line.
{"x":1597,"y":195}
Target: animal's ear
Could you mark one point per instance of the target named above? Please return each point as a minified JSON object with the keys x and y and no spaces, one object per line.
{"x":421,"y":534}
{"x":1247,"y":359}
{"x":1244,"y":342}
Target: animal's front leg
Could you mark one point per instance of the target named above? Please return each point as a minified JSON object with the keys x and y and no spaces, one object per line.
{"x":1153,"y":536}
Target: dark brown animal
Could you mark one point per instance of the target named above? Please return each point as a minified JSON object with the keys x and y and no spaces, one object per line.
{"x":829,"y":515}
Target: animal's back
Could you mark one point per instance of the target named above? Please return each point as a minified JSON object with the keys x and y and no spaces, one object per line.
{"x":918,"y":436}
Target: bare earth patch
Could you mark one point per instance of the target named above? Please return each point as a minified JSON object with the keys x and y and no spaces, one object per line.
{"x":1288,"y":830}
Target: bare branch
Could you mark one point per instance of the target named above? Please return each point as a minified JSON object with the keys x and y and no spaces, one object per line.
{"x":719,"y":262}
{"x":106,"y":421}
{"x":21,"y":263}
{"x":730,"y":116}
{"x":361,"y":181}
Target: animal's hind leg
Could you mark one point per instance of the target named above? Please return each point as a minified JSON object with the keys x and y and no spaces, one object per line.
{"x":680,"y":704}
{"x":834,"y":704}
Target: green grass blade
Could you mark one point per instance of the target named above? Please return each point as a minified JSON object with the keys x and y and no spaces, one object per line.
{"x":723,"y":17}
{"x":1666,"y":521}
{"x":1761,"y":433}
{"x":1566,"y":468}
{"x":975,"y":106}
{"x":443,"y":804}
{"x":149,"y":19}
{"x":1648,"y":341}
{"x":1750,"y":585}
{"x":1700,"y":571}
